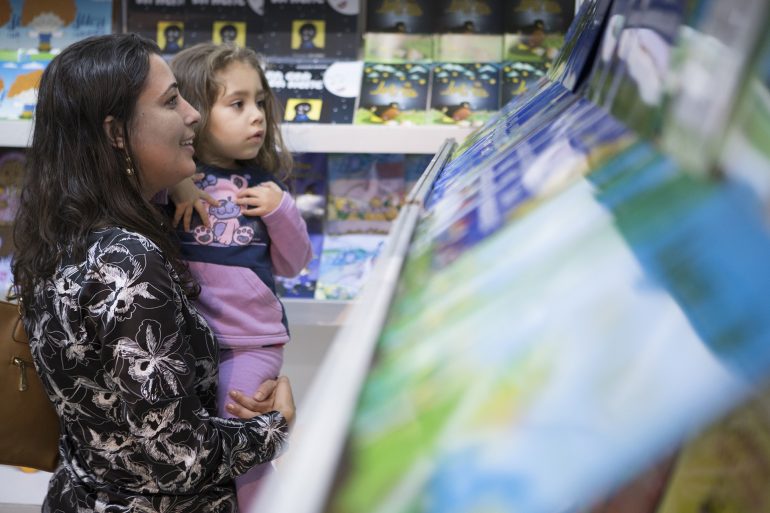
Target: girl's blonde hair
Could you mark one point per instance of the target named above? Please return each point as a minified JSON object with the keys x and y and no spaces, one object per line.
{"x":196,"y":68}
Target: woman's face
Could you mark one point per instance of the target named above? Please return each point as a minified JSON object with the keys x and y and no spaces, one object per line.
{"x":162,"y":131}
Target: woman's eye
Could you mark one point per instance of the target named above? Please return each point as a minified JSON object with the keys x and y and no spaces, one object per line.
{"x":173,"y":101}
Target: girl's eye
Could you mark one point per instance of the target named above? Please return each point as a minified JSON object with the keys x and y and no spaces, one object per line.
{"x":262,"y":104}
{"x":238,"y":104}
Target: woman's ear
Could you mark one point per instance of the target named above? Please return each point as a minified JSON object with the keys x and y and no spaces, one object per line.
{"x":114,"y":131}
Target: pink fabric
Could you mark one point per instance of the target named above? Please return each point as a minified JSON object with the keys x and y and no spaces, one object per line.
{"x":245,"y":370}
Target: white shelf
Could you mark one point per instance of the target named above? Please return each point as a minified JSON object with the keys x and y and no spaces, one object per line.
{"x":317,"y":138}
{"x":370,"y":139}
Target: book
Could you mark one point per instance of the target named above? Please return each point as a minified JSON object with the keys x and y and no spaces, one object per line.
{"x":346,"y":263}
{"x":468,"y":47}
{"x":19,"y":81}
{"x":402,"y":16}
{"x":40,"y":27}
{"x":393,"y":94}
{"x":470,"y":16}
{"x":308,"y":185}
{"x":385,"y":47}
{"x":316,"y":91}
{"x":464,"y":94}
{"x":163,"y":21}
{"x":304,"y":284}
{"x":311,"y":28}
{"x":365,"y":192}
{"x":517,"y":77}
{"x":234,"y":21}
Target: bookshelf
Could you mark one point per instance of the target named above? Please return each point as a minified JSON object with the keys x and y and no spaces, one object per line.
{"x":316,"y":138}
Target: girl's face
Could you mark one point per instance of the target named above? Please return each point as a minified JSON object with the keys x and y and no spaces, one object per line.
{"x":236,"y":123}
{"x":162,"y":131}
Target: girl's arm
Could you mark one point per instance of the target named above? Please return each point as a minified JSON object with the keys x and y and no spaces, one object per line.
{"x":290,"y":249}
{"x":148,"y":331}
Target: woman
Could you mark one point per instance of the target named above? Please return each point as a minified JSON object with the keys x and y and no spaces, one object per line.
{"x":129,"y":364}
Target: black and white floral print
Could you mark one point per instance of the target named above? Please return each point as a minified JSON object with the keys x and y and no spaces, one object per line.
{"x":132,"y":370}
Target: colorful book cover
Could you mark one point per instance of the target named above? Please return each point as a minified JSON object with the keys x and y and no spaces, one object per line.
{"x":517,"y":77}
{"x":163,"y":21}
{"x":470,"y":16}
{"x":365,"y":192}
{"x":468,"y":47}
{"x":47,"y":26}
{"x":225,"y":22}
{"x":304,"y":284}
{"x":311,"y":28}
{"x":19,"y":81}
{"x":346,"y":263}
{"x":317,"y":91}
{"x":12,"y":163}
{"x":308,"y":186}
{"x":403,"y":16}
{"x":464,"y":94}
{"x":388,"y":47}
{"x":393,"y":94}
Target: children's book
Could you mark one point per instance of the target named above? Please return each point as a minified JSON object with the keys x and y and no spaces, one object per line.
{"x":468,"y":47}
{"x":311,"y":28}
{"x":365,"y":192}
{"x":401,"y":16}
{"x":551,"y":16}
{"x":233,"y":21}
{"x":315,"y":91}
{"x":19,"y":81}
{"x":11,"y":176}
{"x":308,"y":186}
{"x":517,"y":77}
{"x":163,"y":21}
{"x":470,"y":16}
{"x":391,"y":47}
{"x":346,"y":263}
{"x":304,"y":284}
{"x":46,"y":27}
{"x":464,"y":94}
{"x":393,"y":94}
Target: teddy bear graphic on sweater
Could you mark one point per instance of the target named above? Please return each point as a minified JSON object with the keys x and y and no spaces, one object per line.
{"x":226,"y":227}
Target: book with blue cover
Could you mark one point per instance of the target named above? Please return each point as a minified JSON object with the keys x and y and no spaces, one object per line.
{"x":464,"y":94}
{"x":19,"y":81}
{"x":393,"y":94}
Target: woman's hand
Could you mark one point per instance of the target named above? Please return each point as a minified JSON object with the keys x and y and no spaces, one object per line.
{"x":186,"y":197}
{"x":260,"y":200}
{"x":272,"y":394}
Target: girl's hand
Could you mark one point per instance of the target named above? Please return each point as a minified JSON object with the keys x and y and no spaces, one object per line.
{"x":260,"y":200}
{"x":272,"y":394}
{"x":186,"y":196}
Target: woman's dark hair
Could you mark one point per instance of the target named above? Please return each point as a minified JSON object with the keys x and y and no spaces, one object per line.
{"x":75,"y":179}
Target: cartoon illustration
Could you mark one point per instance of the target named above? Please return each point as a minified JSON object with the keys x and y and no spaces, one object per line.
{"x":172,"y":34}
{"x":11,"y":175}
{"x":228,"y":33}
{"x":385,"y":113}
{"x":226,"y":226}
{"x":400,"y":7}
{"x":24,"y":90}
{"x":46,"y":18}
{"x":458,"y":112}
{"x":300,"y":112}
{"x":307,"y":33}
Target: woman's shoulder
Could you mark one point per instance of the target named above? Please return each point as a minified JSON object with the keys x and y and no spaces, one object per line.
{"x":107,"y":239}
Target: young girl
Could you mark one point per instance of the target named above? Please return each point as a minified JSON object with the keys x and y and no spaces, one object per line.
{"x":254,"y":231}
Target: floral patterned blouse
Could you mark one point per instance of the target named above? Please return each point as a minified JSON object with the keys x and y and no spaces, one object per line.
{"x":132,"y":370}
